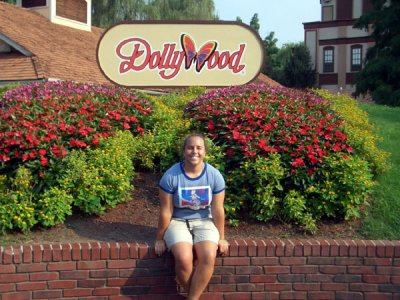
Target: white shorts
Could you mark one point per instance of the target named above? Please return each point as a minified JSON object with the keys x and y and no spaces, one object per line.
{"x":191,"y":231}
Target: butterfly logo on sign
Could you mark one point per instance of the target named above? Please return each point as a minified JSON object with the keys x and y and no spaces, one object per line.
{"x":201,"y":56}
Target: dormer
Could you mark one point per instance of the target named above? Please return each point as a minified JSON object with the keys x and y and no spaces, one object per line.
{"x":71,"y":13}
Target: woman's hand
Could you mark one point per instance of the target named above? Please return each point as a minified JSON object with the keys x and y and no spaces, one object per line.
{"x":223,"y":246}
{"x":160,"y":247}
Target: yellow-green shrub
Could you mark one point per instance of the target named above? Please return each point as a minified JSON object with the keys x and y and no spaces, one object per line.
{"x":360,"y":132}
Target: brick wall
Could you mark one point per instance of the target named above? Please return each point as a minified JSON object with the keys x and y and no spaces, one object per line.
{"x":253,"y":269}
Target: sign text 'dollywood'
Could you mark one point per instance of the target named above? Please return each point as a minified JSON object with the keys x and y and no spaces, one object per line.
{"x":163,"y":54}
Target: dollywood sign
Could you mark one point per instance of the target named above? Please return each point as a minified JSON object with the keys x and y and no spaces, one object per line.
{"x":166,"y":54}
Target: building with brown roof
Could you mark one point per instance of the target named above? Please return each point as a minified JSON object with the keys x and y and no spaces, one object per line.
{"x":48,"y":40}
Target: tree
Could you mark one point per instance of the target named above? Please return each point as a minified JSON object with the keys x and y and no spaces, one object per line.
{"x":255,"y":22}
{"x":381,"y":73}
{"x":107,"y":12}
{"x":239,"y":19}
{"x":271,"y":51}
{"x":298,"y":71}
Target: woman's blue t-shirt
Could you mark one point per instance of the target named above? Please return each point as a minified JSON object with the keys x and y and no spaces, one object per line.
{"x":192,"y":197}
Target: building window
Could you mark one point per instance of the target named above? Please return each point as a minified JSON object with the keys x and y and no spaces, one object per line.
{"x":33,"y":3}
{"x":356,"y":58}
{"x":327,"y":13}
{"x":328,"y":59}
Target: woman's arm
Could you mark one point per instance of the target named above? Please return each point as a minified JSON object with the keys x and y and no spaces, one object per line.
{"x":166,"y":208}
{"x":218,"y":214}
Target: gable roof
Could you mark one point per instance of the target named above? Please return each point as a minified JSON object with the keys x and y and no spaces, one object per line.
{"x":52,"y":51}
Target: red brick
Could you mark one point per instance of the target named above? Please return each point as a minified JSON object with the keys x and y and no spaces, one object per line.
{"x":121,"y":281}
{"x":143,"y":251}
{"x":85,"y":251}
{"x":103,"y":273}
{"x":263,"y":278}
{"x":43,"y":276}
{"x":361,"y":269}
{"x":74,"y":274}
{"x":304,"y":269}
{"x":261,"y":248}
{"x":9,"y":278}
{"x":376,"y":278}
{"x":114,"y":250}
{"x":46,"y":294}
{"x":264,"y":261}
{"x":57,"y":252}
{"x":90,"y":265}
{"x":315,"y":247}
{"x":222,"y":288}
{"x":353,"y":251}
{"x":325,"y":248}
{"x":344,"y":295}
{"x":77,"y":293}
{"x":319,"y":278}
{"x":307,"y":251}
{"x":395,"y":279}
{"x":75,"y":251}
{"x":6,"y":288}
{"x":249,"y":287}
{"x":95,"y":246}
{"x":91,"y":283}
{"x":249,"y":270}
{"x":233,"y":248}
{"x":7,"y":269}
{"x":237,"y":296}
{"x":279,"y":247}
{"x":37,"y":252}
{"x":277,"y":287}
{"x":62,"y":284}
{"x":378,"y":296}
{"x":27,"y":253}
{"x":321,"y":260}
{"x":306,"y":286}
{"x":332,"y":269}
{"x":61,"y":266}
{"x":349,"y":261}
{"x":298,"y":248}
{"x":293,"y":295}
{"x":124,"y":251}
{"x":133,"y":250}
{"x":328,"y":286}
{"x":389,"y":249}
{"x":236,"y":261}
{"x":242,"y":244}
{"x":321,"y":295}
{"x":66,"y":252}
{"x":343,"y":248}
{"x":31,"y":268}
{"x":235,"y":279}
{"x":371,"y":248}
{"x":380,"y":249}
{"x":371,"y":261}
{"x":106,"y":291}
{"x":271,"y":248}
{"x":289,"y":248}
{"x":46,"y":253}
{"x":276,"y":270}
{"x":361,"y":248}
{"x":224,"y":270}
{"x":7,"y":255}
{"x":251,"y":248}
{"x":264,"y":296}
{"x":17,"y":255}
{"x":31,"y":286}
{"x":122,"y":264}
{"x":363,"y":287}
{"x":292,"y":261}
{"x":334,"y":247}
{"x":17,"y":296}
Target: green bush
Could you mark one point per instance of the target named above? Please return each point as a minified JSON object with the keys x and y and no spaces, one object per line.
{"x":100,"y":178}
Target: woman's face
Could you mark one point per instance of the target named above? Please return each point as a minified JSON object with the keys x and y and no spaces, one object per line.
{"x":194,"y":151}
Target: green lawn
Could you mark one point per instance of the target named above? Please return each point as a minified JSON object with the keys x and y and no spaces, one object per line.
{"x":383,"y":217}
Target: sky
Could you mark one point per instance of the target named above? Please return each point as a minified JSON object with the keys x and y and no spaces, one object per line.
{"x":284,"y":17}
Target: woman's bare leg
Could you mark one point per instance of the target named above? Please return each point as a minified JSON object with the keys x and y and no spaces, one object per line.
{"x":206,"y":252}
{"x":183,"y":254}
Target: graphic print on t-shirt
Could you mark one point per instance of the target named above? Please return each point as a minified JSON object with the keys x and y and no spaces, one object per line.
{"x":194,"y":197}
